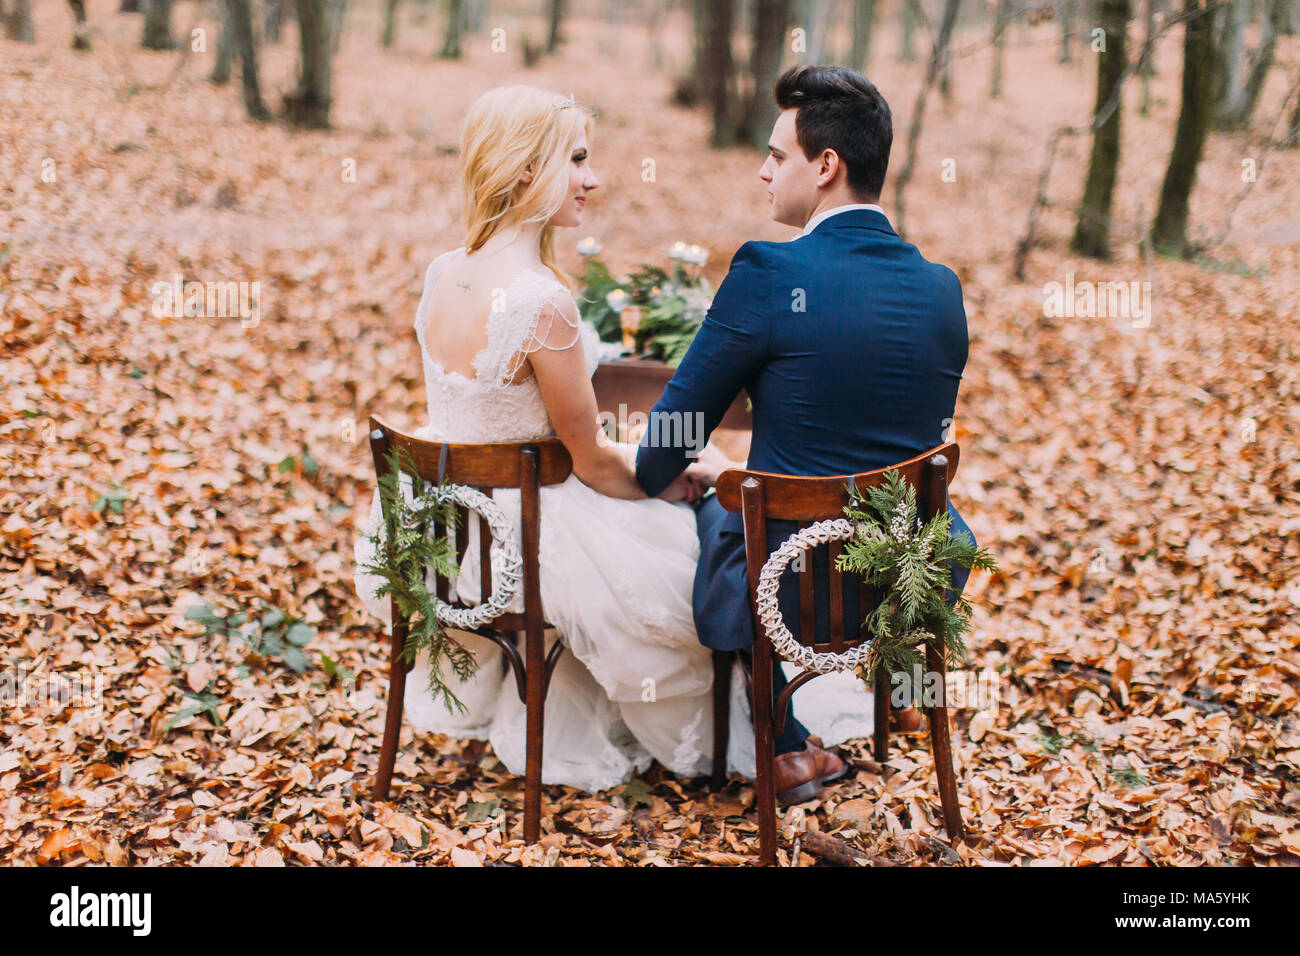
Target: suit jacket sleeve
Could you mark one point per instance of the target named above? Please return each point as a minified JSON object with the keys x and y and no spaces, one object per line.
{"x":730,"y":348}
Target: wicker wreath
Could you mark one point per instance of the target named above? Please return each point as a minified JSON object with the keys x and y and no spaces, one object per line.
{"x":505,"y":579}
{"x":769,"y":614}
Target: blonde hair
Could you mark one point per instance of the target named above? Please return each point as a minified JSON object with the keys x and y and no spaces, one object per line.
{"x":506,"y":130}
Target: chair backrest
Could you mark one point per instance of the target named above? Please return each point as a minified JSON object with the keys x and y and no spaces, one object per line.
{"x":524,"y":465}
{"x":760,"y":496}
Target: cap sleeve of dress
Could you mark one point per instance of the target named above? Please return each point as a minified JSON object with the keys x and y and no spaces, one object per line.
{"x":545,"y":324}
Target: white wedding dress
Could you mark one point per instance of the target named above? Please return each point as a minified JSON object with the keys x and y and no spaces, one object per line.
{"x":616,"y":577}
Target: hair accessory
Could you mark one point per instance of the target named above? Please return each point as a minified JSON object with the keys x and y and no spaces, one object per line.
{"x":570,"y":101}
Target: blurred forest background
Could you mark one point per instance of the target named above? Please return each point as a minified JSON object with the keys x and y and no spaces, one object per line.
{"x":1134,"y":473}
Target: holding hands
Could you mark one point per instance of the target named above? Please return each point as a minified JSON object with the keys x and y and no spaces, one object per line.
{"x":700,"y":475}
{"x":711,"y":463}
{"x":685,"y":487}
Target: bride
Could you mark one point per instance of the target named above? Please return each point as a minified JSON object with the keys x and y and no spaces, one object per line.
{"x":507,"y":358}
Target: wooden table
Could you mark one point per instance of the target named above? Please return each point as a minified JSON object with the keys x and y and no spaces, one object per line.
{"x":637,"y":384}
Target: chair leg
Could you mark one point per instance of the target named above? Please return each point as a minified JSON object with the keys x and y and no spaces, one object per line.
{"x":722,"y":665}
{"x":764,"y":754}
{"x":880,"y":734}
{"x":534,"y":680}
{"x":397,"y":669}
{"x":765,"y":758}
{"x":941,"y":747}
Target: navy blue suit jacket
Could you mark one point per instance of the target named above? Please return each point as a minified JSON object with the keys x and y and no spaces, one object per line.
{"x":851,"y":346}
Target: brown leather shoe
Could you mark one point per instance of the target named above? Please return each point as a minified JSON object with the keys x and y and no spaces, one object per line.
{"x":801,"y":775}
{"x":909,"y":720}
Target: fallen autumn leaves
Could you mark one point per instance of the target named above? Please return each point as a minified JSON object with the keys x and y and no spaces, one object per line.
{"x":1139,"y":486}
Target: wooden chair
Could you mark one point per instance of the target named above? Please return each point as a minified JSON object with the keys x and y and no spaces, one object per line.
{"x":523,"y":465}
{"x":760,"y":496}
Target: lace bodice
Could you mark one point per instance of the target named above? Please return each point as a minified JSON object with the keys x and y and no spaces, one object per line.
{"x":488,"y":407}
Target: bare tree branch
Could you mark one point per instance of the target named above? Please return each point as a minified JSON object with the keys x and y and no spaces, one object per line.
{"x":1259,"y":165}
{"x":938,"y":52}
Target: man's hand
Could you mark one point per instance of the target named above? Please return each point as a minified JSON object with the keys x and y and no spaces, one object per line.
{"x":685,"y":487}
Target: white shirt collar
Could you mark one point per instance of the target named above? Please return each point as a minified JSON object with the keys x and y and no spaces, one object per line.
{"x":818,"y":219}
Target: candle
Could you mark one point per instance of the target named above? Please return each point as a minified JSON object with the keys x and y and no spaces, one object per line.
{"x":629,"y":321}
{"x":678,"y":250}
{"x":616,"y":300}
{"x":589,"y":246}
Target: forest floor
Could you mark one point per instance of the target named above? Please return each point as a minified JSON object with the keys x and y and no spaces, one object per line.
{"x":1135,"y":476}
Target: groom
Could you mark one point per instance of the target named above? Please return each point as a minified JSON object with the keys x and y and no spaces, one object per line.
{"x":850,"y":345}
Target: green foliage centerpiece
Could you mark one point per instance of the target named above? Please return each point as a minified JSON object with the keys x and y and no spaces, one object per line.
{"x":672,"y":302}
{"x":405,"y":553}
{"x":909,"y":569}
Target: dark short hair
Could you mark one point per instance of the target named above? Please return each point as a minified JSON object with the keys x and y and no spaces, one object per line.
{"x":840,"y":109}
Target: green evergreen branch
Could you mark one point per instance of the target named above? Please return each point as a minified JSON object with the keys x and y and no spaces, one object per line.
{"x":909,"y":569}
{"x":405,"y":552}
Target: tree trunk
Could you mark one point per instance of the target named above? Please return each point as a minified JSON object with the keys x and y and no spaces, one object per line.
{"x":390,"y":23}
{"x":908,"y":14}
{"x":475,"y":11}
{"x":157,"y":25}
{"x":657,"y":8}
{"x":1092,"y":232}
{"x":1287,"y":26}
{"x":864,"y":18}
{"x":610,"y":33}
{"x":18,"y":24}
{"x":717,"y":70}
{"x":129,"y":6}
{"x":81,"y":28}
{"x":309,"y":104}
{"x":451,"y":41}
{"x":1292,"y":137}
{"x":245,"y":42}
{"x":818,"y":17}
{"x":999,"y":46}
{"x":803,"y":16}
{"x":225,"y":47}
{"x":336,"y":10}
{"x":1237,"y":17}
{"x":1229,"y":44}
{"x":1149,"y":65}
{"x":1065,"y":13}
{"x":272,"y":20}
{"x":1169,"y":233}
{"x":770,"y":20}
{"x":553,"y":38}
{"x":1241,"y":107}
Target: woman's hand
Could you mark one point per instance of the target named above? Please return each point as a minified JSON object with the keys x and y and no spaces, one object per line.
{"x":711,"y":463}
